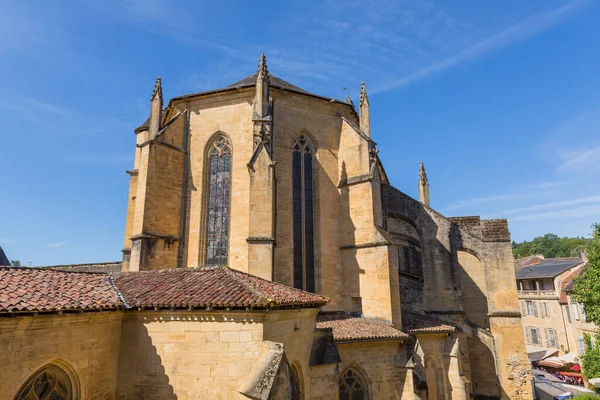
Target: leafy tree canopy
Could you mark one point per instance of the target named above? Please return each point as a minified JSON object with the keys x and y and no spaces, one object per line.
{"x":591,"y":358}
{"x":587,"y":285}
{"x":550,"y":245}
{"x":15,"y":263}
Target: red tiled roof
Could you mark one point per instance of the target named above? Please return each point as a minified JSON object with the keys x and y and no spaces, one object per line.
{"x":218,"y":287}
{"x":414,"y":323}
{"x":346,"y":327}
{"x":30,"y":290}
{"x":567,"y":282}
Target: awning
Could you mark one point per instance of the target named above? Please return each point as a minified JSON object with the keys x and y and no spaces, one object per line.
{"x":553,"y":362}
{"x":536,"y":353}
{"x":595,"y":382}
{"x":570,"y":358}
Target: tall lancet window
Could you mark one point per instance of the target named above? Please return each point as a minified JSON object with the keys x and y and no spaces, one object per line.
{"x":219,"y":197}
{"x":304,"y":247}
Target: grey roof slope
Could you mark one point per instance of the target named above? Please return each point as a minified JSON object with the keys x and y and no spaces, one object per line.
{"x":3,"y":259}
{"x":549,"y":268}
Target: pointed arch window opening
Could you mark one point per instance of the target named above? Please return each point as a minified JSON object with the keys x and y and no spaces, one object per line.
{"x":219,"y":201}
{"x":352,"y":386}
{"x":303,"y":214}
{"x":49,"y":382}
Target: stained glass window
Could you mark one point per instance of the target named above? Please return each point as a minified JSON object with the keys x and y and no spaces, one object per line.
{"x":49,"y":382}
{"x":219,"y":194}
{"x":352,"y":386}
{"x":303,"y":218}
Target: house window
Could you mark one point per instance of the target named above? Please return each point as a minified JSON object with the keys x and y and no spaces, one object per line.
{"x":575,"y":311}
{"x":581,"y":346}
{"x":533,"y":336}
{"x":568,"y":312}
{"x":544,"y":310}
{"x":219,"y":197}
{"x":352,"y":386}
{"x":551,"y":338}
{"x":49,"y":382}
{"x":531,"y":308}
{"x":303,"y":218}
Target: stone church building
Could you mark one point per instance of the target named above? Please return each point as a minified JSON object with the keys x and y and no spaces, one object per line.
{"x":267,"y":256}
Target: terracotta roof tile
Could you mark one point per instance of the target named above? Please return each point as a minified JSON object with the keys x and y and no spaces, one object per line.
{"x":104,"y":267}
{"x":346,"y":327}
{"x":567,"y":285}
{"x":218,"y":287}
{"x":414,"y":323}
{"x":31,"y":290}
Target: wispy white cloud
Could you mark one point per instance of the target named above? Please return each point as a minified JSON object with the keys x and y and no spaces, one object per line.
{"x":489,"y":199}
{"x":57,"y":244}
{"x":554,"y":204}
{"x":522,"y":30}
{"x":585,"y":160}
{"x":571,"y":212}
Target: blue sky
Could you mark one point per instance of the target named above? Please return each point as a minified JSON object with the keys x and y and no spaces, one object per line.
{"x":499,"y":99}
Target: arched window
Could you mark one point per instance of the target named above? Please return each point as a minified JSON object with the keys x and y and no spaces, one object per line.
{"x":296,"y":392}
{"x":49,"y":382}
{"x":302,"y":191}
{"x":219,"y":197}
{"x":353,"y":386}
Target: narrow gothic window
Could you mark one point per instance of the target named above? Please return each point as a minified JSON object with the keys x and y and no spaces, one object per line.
{"x":219,"y":189}
{"x":49,"y":382}
{"x":302,"y":190}
{"x":352,"y":386}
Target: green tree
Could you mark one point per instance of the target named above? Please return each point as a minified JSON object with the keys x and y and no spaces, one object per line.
{"x":591,"y":358}
{"x":587,"y":285}
{"x":551,"y":245}
{"x":15,"y":263}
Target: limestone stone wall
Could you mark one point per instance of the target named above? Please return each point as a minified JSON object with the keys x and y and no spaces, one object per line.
{"x":228,"y":114}
{"x":85,"y":345}
{"x":382,"y":363}
{"x":191,"y":355}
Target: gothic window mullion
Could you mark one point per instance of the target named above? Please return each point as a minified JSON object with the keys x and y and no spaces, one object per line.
{"x":218,"y":209}
{"x":303,"y":218}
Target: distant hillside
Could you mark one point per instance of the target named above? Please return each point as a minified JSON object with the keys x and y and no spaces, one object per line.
{"x":550,"y":245}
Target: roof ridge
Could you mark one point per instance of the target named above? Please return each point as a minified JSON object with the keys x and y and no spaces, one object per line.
{"x":40,"y":269}
{"x":111,"y":279}
{"x":229,"y":271}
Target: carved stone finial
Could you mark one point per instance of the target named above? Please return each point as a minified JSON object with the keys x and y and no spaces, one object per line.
{"x":363,"y":95}
{"x":262,"y":113}
{"x":263,"y":72}
{"x":363,"y":106}
{"x":157,"y":90}
{"x":423,"y":186}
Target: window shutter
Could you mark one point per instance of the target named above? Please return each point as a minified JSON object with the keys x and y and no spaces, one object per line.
{"x":568,"y":312}
{"x":539,"y":336}
{"x":547,"y":310}
{"x":523,"y":308}
{"x":534,"y":308}
{"x":547,"y":334}
{"x":575,"y":311}
{"x":528,"y":332}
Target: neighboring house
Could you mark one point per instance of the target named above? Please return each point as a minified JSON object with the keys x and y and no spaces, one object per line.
{"x":540,"y":286}
{"x":267,"y":256}
{"x":574,"y":316}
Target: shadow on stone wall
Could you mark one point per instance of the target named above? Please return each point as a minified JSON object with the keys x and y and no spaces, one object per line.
{"x":451,"y":289}
{"x":141,"y":372}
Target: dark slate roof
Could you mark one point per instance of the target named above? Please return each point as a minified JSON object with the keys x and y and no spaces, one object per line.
{"x":217,"y":287}
{"x":33,"y":290}
{"x":250,"y":81}
{"x":3,"y":259}
{"x":346,"y":327}
{"x":105,"y":267}
{"x":414,"y":323}
{"x":548,"y":268}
